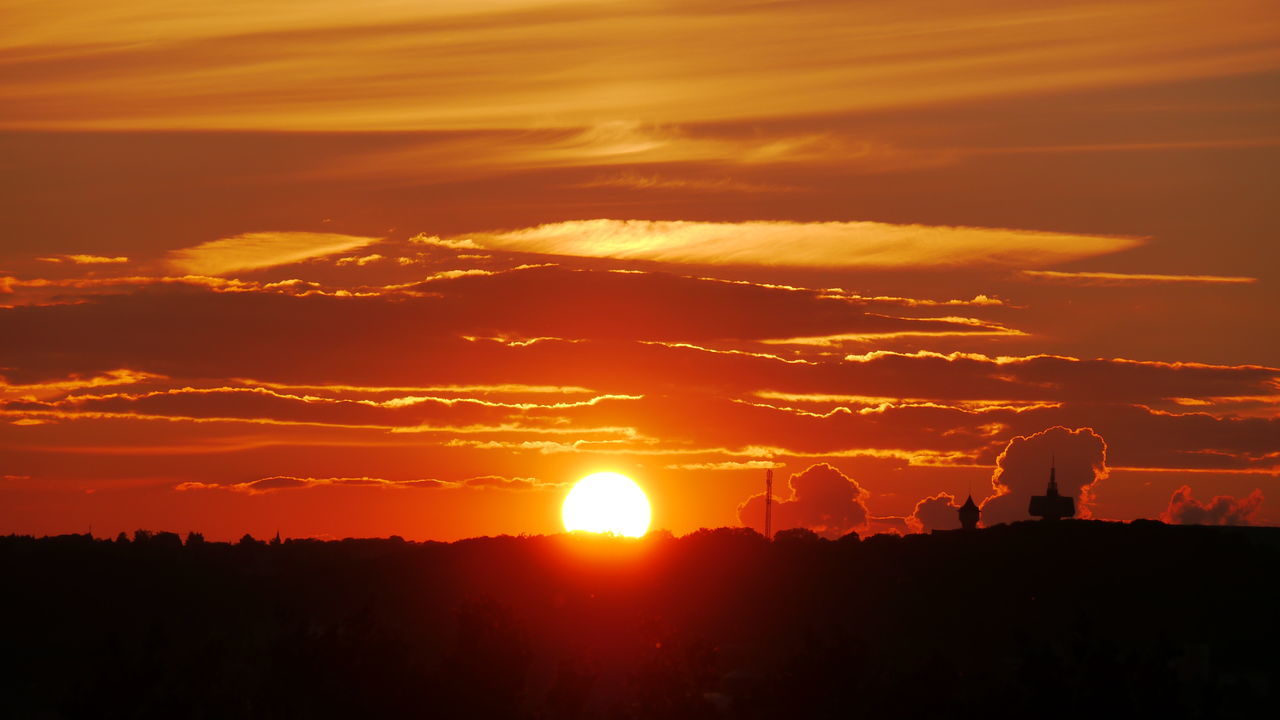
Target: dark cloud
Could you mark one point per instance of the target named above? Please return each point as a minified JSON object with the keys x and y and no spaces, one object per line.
{"x":888,"y":525}
{"x":940,"y":512}
{"x":1022,"y":471}
{"x":191,"y":330}
{"x":658,"y":306}
{"x":922,"y":433}
{"x":612,"y":325}
{"x":1221,"y":510}
{"x":822,"y":499}
{"x":1142,"y":437}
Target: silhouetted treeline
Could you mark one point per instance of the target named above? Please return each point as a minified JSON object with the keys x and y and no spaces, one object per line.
{"x":1027,"y":620}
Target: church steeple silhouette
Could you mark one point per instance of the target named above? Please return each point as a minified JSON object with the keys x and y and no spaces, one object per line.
{"x":1051,"y":505}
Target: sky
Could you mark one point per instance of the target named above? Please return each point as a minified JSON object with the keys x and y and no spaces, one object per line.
{"x":393,"y":267}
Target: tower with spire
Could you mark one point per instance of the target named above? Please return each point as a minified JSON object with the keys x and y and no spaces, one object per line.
{"x":969,"y":514}
{"x":1051,"y":505}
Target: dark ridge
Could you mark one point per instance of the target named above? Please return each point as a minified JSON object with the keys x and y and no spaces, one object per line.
{"x":1039,"y":620}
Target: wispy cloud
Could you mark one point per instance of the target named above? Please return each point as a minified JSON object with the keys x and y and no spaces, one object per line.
{"x":84,"y":259}
{"x":728,"y":465}
{"x":254,"y":250}
{"x":945,"y":327}
{"x":497,"y":482}
{"x":51,"y":388}
{"x":799,"y":244}
{"x":287,"y":482}
{"x":396,"y":65}
{"x":1112,"y":278}
{"x":634,"y":181}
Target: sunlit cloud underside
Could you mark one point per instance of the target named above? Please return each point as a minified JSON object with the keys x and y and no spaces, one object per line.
{"x":798,"y":244}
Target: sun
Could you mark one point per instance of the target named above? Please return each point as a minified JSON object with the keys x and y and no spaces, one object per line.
{"x":607,"y":502}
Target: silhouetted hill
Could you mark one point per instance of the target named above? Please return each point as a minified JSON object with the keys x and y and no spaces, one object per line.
{"x":1024,"y":620}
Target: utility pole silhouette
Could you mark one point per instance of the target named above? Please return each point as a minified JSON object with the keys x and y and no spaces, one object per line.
{"x":768,"y":504}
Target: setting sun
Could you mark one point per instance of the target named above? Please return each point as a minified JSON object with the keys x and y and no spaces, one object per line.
{"x":607,"y":502}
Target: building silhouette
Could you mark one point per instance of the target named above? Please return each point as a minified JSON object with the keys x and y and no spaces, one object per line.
{"x":1051,"y":505}
{"x":969,"y":514}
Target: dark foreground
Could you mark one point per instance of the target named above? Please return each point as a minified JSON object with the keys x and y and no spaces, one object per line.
{"x":1029,"y":620}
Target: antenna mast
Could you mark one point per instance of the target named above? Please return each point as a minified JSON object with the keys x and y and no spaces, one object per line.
{"x":768,"y":504}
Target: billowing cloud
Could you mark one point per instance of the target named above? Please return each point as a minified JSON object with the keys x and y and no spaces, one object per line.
{"x":939,"y":512}
{"x":797,"y":244}
{"x":255,"y":250}
{"x":1022,"y":470}
{"x":1221,"y":510}
{"x":822,"y":499}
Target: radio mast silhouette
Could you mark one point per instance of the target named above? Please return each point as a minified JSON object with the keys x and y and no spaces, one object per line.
{"x":768,"y":504}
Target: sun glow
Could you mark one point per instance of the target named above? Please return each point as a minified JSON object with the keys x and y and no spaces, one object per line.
{"x":607,"y":502}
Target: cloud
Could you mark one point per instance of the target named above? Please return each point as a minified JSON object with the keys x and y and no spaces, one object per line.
{"x":940,"y":512}
{"x":728,"y":465}
{"x":84,"y":259}
{"x":702,"y":398}
{"x":659,"y":306}
{"x":798,"y":244}
{"x":119,"y":376}
{"x":1022,"y":470}
{"x":276,"y":483}
{"x":534,"y":64}
{"x":360,"y":261}
{"x":1221,"y":510}
{"x":288,"y":482}
{"x":888,"y":525}
{"x":452,"y":244}
{"x":255,"y":250}
{"x":634,"y":181}
{"x":822,"y":499}
{"x":498,"y":482}
{"x":949,"y":326}
{"x":1111,"y":278}
{"x":265,"y":406}
{"x":45,"y":291}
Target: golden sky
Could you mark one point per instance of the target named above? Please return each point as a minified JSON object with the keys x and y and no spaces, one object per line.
{"x":412,"y":268}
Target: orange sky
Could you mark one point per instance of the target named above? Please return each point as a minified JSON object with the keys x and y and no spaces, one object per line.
{"x":411,"y":268}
